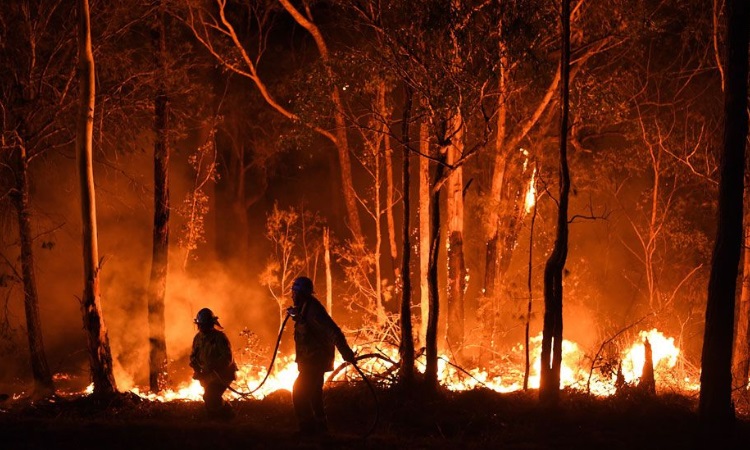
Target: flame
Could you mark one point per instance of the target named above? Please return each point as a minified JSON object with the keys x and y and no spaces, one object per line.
{"x":575,"y":371}
{"x":664,"y":353}
{"x":530,"y":199}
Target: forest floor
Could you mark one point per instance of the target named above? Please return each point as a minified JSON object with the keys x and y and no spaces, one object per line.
{"x":473,"y":419}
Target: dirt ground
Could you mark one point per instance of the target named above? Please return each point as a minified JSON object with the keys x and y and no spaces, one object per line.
{"x":413,"y":420}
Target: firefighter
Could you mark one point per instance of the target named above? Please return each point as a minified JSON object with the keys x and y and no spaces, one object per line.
{"x":212,"y":363}
{"x":315,"y":335}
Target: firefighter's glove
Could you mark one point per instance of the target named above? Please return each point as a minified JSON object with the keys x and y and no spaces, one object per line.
{"x":348,"y":355}
{"x":292,"y":312}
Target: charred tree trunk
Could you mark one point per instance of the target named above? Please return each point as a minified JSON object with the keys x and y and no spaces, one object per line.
{"x":455,"y":243}
{"x":157,"y":374}
{"x":43,"y":384}
{"x":100,"y":356}
{"x":715,"y":406}
{"x":406,"y":350}
{"x":424,"y":231}
{"x":647,"y":383}
{"x":549,"y":384}
{"x":431,"y":349}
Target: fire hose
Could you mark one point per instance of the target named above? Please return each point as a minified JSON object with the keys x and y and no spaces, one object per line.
{"x":270,"y":367}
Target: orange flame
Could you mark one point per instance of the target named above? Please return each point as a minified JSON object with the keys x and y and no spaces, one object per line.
{"x":575,"y":372}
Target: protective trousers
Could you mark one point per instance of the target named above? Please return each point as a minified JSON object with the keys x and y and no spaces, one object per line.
{"x":216,"y":407}
{"x":308,"y":399}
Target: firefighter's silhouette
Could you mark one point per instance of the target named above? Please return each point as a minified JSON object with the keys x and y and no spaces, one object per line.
{"x":212,"y":363}
{"x":315,"y":335}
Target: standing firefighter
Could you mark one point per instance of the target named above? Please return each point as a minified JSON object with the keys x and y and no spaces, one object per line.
{"x":212,"y":363}
{"x":315,"y":335}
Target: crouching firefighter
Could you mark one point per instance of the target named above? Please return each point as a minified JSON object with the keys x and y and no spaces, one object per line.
{"x":213,"y":364}
{"x":315,"y":335}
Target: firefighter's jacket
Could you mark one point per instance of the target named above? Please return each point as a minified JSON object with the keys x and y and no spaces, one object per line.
{"x":315,"y":335}
{"x":211,"y":358}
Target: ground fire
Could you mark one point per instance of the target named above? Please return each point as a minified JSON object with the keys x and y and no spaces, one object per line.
{"x":576,"y":372}
{"x":481,"y":222}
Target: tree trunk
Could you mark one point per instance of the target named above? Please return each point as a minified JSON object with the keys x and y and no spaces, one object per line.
{"x":406,"y":350}
{"x":527,"y":325}
{"x":378,"y":216}
{"x":715,"y":405}
{"x":329,"y":275}
{"x":549,"y":384}
{"x":43,"y":384}
{"x":100,"y":357}
{"x":741,"y":357}
{"x":497,"y":183}
{"x":385,"y":114}
{"x":454,"y":243}
{"x":431,"y":348}
{"x":158,"y":375}
{"x":424,"y":231}
{"x":342,"y":144}
{"x":647,"y":382}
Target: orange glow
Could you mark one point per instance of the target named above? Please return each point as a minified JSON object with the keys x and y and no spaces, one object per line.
{"x":574,"y":371}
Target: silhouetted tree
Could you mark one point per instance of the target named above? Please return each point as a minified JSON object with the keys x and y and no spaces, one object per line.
{"x":715,"y":406}
{"x":406,"y":349}
{"x":157,"y":288}
{"x":35,"y":75}
{"x":549,"y":383}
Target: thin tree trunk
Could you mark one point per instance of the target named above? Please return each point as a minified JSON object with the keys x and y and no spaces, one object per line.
{"x":385,"y":115}
{"x":498,"y":181}
{"x":43,"y":384}
{"x":549,"y":385}
{"x":741,"y":357}
{"x":456,"y":284}
{"x":431,"y":350}
{"x":100,"y":357}
{"x":406,"y":370}
{"x":329,"y":275}
{"x":424,"y":231}
{"x":715,"y":35}
{"x":527,"y":325}
{"x":715,"y":406}
{"x":157,"y":374}
{"x":342,"y":144}
{"x":454,"y":243}
{"x":378,"y":215}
